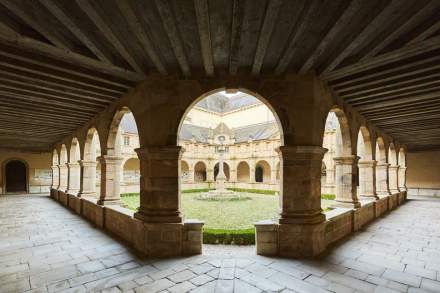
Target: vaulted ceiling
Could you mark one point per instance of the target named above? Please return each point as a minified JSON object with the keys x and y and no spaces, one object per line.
{"x":63,"y":61}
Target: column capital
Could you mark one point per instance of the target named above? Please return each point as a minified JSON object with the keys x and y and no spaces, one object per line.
{"x":394,"y":167}
{"x":84,"y":163}
{"x":346,"y":160}
{"x":382,"y":164}
{"x":304,"y":152}
{"x":72,"y":164}
{"x":159,"y":152}
{"x":109,"y":159}
{"x":367,"y":163}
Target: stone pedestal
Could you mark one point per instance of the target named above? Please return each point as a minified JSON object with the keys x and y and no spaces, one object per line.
{"x":159,"y":184}
{"x":382,"y":179}
{"x":346,"y":193}
{"x":393,"y":172}
{"x":63,"y":177}
{"x":402,"y":178}
{"x":88,"y":179}
{"x":110,"y":180}
{"x":73,"y":185}
{"x":301,"y":224}
{"x":367,"y":178}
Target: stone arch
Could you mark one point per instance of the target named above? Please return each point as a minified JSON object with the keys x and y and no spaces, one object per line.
{"x":281,"y":125}
{"x":74,"y":167}
{"x":343,"y":134}
{"x":402,"y":157}
{"x":243,"y":172}
{"x":15,"y":173}
{"x":392,"y":155}
{"x":184,"y":170}
{"x":55,"y":158}
{"x":75,"y":152}
{"x":364,"y":147}
{"x":200,"y":172}
{"x":381,"y":155}
{"x":63,"y":155}
{"x":92,"y":150}
{"x":262,"y":171}
{"x":92,"y":145}
{"x":226,"y":169}
{"x":131,"y":176}
{"x":114,"y":140}
{"x":64,"y":173}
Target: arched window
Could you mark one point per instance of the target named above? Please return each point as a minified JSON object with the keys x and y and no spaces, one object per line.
{"x":262,"y":172}
{"x":200,"y":172}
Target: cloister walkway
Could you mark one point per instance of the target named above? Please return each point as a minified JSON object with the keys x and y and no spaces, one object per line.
{"x":46,"y":248}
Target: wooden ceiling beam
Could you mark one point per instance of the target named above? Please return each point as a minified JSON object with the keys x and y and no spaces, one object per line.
{"x":342,"y":22}
{"x":203,"y":25}
{"x":135,"y":26}
{"x":236,"y":28}
{"x":31,"y":45}
{"x":108,"y":33}
{"x":384,"y":59}
{"x":410,"y":23}
{"x":366,"y":34}
{"x":69,"y":23}
{"x":410,"y":99}
{"x":270,"y":19}
{"x":306,"y":16}
{"x":173,"y":35}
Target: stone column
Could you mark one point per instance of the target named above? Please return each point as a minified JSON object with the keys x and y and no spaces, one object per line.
{"x":301,"y":223}
{"x":110,"y":180}
{"x":346,"y":193}
{"x":393,"y":172}
{"x":73,"y":183}
{"x":190,"y":175}
{"x":402,"y":178}
{"x":159,"y":184}
{"x":55,"y":177}
{"x":63,"y":177}
{"x":367,"y":178}
{"x":382,"y":179}
{"x":88,"y":178}
{"x":210,"y":173}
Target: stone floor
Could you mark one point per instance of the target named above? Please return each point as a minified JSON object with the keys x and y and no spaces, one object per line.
{"x":46,"y":248}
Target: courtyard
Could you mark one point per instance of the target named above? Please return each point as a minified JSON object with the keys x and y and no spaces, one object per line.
{"x":228,"y":216}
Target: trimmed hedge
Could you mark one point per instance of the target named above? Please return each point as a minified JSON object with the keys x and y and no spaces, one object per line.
{"x":237,"y":237}
{"x":259,"y":191}
{"x":328,"y":196}
{"x":197,"y":190}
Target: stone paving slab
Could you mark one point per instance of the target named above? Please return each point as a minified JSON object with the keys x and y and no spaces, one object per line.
{"x":46,"y":248}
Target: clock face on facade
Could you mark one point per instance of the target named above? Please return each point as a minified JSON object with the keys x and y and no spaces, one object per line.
{"x":221,"y":138}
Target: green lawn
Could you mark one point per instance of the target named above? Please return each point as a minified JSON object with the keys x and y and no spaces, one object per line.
{"x":227,"y":215}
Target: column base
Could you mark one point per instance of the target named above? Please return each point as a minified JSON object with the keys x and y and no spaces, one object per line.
{"x":108,"y":201}
{"x":72,"y":191}
{"x":159,"y":218}
{"x":393,"y":191}
{"x":346,"y":204}
{"x":369,"y":196}
{"x":301,"y":241}
{"x":295,"y":218}
{"x":86,"y":194}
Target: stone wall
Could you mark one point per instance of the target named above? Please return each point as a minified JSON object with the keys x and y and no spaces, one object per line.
{"x":423,"y":175}
{"x":340,"y":222}
{"x":164,"y":240}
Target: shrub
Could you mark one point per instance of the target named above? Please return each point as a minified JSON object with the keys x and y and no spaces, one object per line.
{"x":197,"y":190}
{"x":328,"y":196}
{"x":237,"y":237}
{"x":259,"y":191}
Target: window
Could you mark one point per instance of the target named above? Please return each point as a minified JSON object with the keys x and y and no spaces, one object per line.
{"x":126,"y":140}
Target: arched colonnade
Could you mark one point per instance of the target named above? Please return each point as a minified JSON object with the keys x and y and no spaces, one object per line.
{"x":300,"y":110}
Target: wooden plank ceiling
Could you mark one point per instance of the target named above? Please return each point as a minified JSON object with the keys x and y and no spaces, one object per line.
{"x":63,"y":61}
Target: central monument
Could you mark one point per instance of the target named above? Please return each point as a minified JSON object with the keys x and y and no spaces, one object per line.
{"x":220,"y":191}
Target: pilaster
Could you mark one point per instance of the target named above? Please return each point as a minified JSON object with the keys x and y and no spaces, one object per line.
{"x":346,"y":193}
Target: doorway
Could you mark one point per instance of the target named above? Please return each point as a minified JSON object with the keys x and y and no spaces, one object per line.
{"x":16,"y":176}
